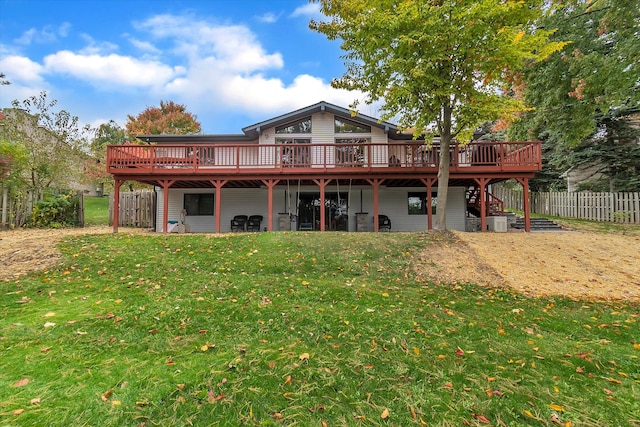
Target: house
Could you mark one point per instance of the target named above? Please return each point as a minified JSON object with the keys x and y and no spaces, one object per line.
{"x":317,"y":168}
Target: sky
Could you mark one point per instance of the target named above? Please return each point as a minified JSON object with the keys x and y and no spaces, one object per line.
{"x":232,"y":63}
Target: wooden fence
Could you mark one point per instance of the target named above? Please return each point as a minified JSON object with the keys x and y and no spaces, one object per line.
{"x":610,"y":207}
{"x":137,"y":209}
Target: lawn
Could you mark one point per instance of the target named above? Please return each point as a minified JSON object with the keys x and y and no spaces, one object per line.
{"x":96,"y":211}
{"x":307,"y":329}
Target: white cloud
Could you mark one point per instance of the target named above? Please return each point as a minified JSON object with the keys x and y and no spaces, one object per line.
{"x":44,"y":35}
{"x":268,"y":18}
{"x":311,"y":10}
{"x":122,"y":70}
{"x":144,"y":46}
{"x":21,"y":70}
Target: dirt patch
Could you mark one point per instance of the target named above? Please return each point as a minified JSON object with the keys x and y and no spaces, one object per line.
{"x":25,"y":251}
{"x":574,"y":264}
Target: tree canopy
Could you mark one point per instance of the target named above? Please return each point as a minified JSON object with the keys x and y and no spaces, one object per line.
{"x":583,"y":95}
{"x":53,"y":140}
{"x":170,"y":118}
{"x":439,"y":65}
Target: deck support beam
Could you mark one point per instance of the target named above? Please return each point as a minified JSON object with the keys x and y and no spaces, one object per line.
{"x":218,"y":184}
{"x":166,"y":184}
{"x":428,"y":182}
{"x":482,"y":182}
{"x":270,"y":183}
{"x":322,"y":183}
{"x":525,"y":203}
{"x":116,"y":203}
{"x":375,"y":182}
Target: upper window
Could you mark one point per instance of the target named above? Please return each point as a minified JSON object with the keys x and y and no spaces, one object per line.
{"x":301,"y":126}
{"x":347,"y":126}
{"x":199,"y":204}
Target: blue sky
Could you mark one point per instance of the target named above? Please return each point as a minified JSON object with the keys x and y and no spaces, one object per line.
{"x":231,"y":62}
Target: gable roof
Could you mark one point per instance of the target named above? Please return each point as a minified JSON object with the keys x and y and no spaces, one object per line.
{"x":251,"y":133}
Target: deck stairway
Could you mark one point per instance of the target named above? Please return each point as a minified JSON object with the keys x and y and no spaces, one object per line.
{"x":495,"y":205}
{"x":537,"y":224}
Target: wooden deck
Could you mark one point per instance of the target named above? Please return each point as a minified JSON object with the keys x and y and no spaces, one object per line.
{"x":253,"y":161}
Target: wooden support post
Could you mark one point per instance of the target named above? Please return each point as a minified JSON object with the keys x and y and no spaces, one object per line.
{"x":525,"y":203}
{"x":322,"y":183}
{"x":116,"y":203}
{"x":482,"y":182}
{"x":376,"y":185}
{"x":429,"y":184}
{"x":218,"y":184}
{"x":270,"y":183}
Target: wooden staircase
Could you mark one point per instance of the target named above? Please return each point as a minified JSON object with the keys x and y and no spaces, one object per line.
{"x":494,"y":207}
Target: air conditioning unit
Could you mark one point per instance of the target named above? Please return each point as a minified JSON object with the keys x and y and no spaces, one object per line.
{"x":497,"y":224}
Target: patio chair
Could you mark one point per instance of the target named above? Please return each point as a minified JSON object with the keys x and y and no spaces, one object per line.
{"x":238,"y":223}
{"x":253,"y":223}
{"x":384,"y":223}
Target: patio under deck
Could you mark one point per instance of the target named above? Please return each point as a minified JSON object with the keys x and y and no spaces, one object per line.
{"x":254,"y":165}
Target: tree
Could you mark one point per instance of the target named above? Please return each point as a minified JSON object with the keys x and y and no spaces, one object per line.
{"x":169,"y":118}
{"x":441,"y":62}
{"x":585,"y":93}
{"x":54,"y":141}
{"x":96,"y":166}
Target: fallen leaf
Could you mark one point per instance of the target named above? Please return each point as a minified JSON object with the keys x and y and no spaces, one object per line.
{"x":460,"y":352}
{"x":116,"y":403}
{"x":480,"y":418}
{"x":385,"y":414}
{"x":278,"y":416}
{"x":49,"y":314}
{"x":21,"y":382}
{"x":105,"y":397}
{"x":49,"y":324}
{"x":528,"y":413}
{"x":18,"y":411}
{"x":304,"y":356}
{"x":35,"y":401}
{"x":556,"y":407}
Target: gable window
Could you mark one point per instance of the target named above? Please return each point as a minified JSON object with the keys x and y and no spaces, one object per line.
{"x":198,"y":204}
{"x":417,"y":203}
{"x":347,"y":126}
{"x":300,"y":126}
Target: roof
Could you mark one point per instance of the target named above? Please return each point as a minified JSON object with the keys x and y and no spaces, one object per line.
{"x":251,"y":133}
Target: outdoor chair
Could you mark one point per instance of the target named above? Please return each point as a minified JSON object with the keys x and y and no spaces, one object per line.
{"x":384,"y":223}
{"x":238,"y":223}
{"x":253,"y":223}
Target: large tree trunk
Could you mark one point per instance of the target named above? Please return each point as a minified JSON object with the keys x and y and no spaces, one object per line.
{"x":443,"y":169}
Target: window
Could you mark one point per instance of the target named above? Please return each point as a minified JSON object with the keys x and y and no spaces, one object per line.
{"x":347,"y":126}
{"x":199,"y":204}
{"x":417,"y":203}
{"x":301,"y":126}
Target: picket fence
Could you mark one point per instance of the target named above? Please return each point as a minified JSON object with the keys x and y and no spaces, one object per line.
{"x":136,"y":209}
{"x":609,"y":207}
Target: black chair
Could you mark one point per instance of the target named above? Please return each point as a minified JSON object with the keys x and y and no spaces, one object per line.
{"x":253,"y":223}
{"x":384,"y":223}
{"x":238,"y":223}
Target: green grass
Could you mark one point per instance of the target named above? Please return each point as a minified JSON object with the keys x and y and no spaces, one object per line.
{"x":300,"y":329}
{"x":96,"y":211}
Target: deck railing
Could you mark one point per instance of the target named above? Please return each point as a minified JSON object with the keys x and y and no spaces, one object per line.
{"x":208,"y":158}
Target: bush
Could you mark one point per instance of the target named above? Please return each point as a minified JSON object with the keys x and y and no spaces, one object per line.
{"x":56,"y":211}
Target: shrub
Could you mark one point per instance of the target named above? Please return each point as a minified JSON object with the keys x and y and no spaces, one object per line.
{"x":56,"y":211}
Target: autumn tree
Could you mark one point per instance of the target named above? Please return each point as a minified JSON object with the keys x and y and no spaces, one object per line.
{"x":169,"y":118}
{"x":438,"y":66}
{"x":585,"y":95}
{"x":54,"y":140}
{"x":96,"y":166}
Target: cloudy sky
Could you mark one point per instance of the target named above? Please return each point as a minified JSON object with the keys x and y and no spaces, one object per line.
{"x":231,"y":62}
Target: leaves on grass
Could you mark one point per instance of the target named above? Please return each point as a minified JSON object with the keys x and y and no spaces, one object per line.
{"x":304,"y":357}
{"x":21,"y":383}
{"x":385,"y":414}
{"x":105,"y":397}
